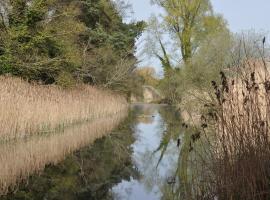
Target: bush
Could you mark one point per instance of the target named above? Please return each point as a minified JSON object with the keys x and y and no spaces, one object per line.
{"x":65,"y":80}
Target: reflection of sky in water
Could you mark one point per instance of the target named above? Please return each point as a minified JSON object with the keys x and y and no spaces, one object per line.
{"x":148,"y":137}
{"x":134,"y":190}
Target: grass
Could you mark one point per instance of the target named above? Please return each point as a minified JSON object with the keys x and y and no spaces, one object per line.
{"x":27,"y":109}
{"x":235,"y":160}
{"x":73,"y":118}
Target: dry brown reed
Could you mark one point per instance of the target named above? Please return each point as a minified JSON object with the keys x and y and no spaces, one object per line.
{"x":236,"y":164}
{"x":27,"y":109}
{"x":22,"y":158}
{"x":243,"y":157}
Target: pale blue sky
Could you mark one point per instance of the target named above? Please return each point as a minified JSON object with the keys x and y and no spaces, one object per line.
{"x":240,"y":15}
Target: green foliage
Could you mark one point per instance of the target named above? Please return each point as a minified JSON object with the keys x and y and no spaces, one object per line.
{"x":189,"y":22}
{"x":148,"y":76}
{"x":170,"y":87}
{"x":32,"y":45}
{"x":65,"y":80}
{"x":56,"y":41}
{"x":212,"y":57}
{"x":205,"y":66}
{"x":198,"y":46}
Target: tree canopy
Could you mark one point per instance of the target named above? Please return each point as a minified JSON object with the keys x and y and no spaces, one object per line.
{"x":188,"y":23}
{"x":179,"y":38}
{"x":65,"y":41}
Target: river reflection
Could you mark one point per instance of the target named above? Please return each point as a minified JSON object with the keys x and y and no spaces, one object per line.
{"x":138,"y":161}
{"x":155,"y":154}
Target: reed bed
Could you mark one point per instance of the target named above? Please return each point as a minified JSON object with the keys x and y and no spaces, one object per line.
{"x":22,"y":158}
{"x":233,"y":161}
{"x":27,"y":109}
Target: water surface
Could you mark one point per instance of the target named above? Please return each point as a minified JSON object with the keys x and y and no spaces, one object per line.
{"x":137,"y":161}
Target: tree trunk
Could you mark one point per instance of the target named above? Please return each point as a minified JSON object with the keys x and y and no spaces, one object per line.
{"x":4,"y":12}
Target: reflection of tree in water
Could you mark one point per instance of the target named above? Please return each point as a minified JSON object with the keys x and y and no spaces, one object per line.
{"x":177,"y":185}
{"x":156,"y":168}
{"x":173,"y":130}
{"x":145,"y":113}
{"x":88,"y":173}
{"x":92,"y":172}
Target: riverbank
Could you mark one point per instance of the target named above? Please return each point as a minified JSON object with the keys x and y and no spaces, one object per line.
{"x":24,"y":158}
{"x":41,"y":125}
{"x":29,"y":109}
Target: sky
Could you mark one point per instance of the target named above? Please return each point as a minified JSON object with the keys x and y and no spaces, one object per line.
{"x":240,"y":14}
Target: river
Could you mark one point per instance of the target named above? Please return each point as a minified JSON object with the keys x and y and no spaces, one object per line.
{"x":137,"y":161}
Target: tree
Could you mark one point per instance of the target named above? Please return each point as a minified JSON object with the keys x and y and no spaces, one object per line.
{"x":109,"y":44}
{"x":155,"y":45}
{"x":178,"y":39}
{"x":39,"y":43}
{"x":188,"y":22}
{"x":67,"y":41}
{"x":148,"y":75}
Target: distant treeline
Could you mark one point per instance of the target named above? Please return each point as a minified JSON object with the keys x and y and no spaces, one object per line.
{"x":67,"y":41}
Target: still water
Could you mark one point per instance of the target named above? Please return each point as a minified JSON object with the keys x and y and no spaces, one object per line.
{"x":137,"y":161}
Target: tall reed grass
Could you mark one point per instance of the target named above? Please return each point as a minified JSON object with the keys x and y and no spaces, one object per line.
{"x":21,"y":158}
{"x":233,"y":161}
{"x":27,"y":109}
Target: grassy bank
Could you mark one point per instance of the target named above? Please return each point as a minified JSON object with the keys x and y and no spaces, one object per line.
{"x":27,"y":109}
